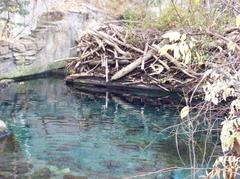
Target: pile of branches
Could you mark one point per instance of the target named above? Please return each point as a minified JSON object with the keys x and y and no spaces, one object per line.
{"x":169,"y":60}
{"x":134,"y":56}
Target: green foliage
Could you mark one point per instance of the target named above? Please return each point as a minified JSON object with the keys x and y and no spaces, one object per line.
{"x":153,"y":2}
{"x":182,"y":47}
{"x":8,"y":8}
{"x":171,"y":17}
{"x":14,"y":6}
{"x":134,"y":14}
{"x":191,"y":13}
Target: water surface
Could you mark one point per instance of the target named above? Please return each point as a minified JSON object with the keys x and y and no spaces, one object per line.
{"x":76,"y":133}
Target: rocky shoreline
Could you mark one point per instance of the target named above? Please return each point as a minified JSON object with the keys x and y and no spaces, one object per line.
{"x":48,"y":45}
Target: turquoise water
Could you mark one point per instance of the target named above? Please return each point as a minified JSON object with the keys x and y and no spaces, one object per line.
{"x":83,"y":134}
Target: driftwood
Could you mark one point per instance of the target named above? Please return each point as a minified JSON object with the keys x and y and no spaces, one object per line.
{"x":124,"y":71}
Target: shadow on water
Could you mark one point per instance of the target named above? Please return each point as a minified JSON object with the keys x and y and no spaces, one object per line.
{"x":12,"y":162}
{"x":60,"y":131}
{"x":9,"y":145}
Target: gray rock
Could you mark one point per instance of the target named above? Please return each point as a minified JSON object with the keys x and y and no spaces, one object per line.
{"x":30,"y":46}
{"x":4,"y":43}
{"x":5,"y":175}
{"x":18,"y":47}
{"x":28,"y":38}
{"x":74,"y":177}
{"x":30,"y":53}
{"x":19,"y":60}
{"x":5,"y":83}
{"x":6,"y":56}
{"x":51,"y":40}
{"x":111,"y":164}
{"x":42,"y":173}
{"x":4,"y":50}
{"x":22,"y":167}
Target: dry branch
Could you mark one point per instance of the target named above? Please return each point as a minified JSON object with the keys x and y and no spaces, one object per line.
{"x":132,"y":66}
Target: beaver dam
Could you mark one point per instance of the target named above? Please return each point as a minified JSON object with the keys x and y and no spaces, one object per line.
{"x":113,"y":56}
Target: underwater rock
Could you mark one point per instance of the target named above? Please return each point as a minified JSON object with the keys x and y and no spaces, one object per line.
{"x":8,"y":145}
{"x":133,"y":131}
{"x":5,"y":175}
{"x":4,"y":133}
{"x":42,"y":173}
{"x":145,"y":169}
{"x":74,"y":177}
{"x":5,"y":83}
{"x":4,"y":167}
{"x":22,"y":167}
{"x":128,"y":146}
{"x":58,"y":171}
{"x":111,"y":164}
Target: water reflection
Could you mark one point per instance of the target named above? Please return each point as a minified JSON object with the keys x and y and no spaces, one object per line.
{"x":86,"y":134}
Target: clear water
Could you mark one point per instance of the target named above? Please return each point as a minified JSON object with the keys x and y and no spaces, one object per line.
{"x":83,"y":134}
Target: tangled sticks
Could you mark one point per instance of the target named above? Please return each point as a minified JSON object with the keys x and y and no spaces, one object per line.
{"x":139,"y":57}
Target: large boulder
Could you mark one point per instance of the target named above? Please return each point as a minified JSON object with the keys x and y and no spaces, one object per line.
{"x":48,"y":44}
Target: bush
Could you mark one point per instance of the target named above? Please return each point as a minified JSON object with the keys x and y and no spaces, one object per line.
{"x":193,"y":15}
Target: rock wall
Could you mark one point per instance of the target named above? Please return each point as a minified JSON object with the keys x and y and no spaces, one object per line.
{"x":48,"y":44}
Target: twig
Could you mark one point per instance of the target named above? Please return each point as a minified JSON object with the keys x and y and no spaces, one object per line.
{"x":221,"y":37}
{"x":106,"y":36}
{"x":152,"y":173}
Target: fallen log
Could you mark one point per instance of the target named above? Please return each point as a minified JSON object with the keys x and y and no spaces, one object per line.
{"x":126,"y":70}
